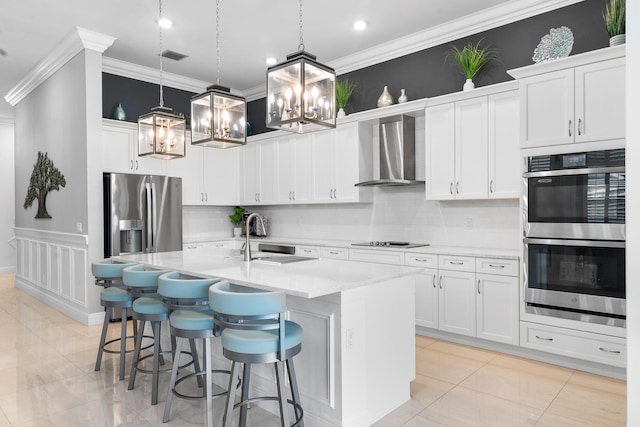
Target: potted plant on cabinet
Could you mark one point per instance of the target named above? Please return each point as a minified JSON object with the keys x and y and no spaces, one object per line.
{"x":471,"y":59}
{"x":615,"y":20}
{"x":344,"y":89}
{"x":236,"y":220}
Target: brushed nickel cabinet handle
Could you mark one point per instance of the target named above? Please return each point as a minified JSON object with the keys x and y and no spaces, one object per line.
{"x":136,"y":165}
{"x":434,"y":281}
{"x":496,"y":266}
{"x":294,"y":195}
{"x":131,"y":164}
{"x":543,"y":338}
{"x":610,"y":351}
{"x":458,"y":187}
{"x":451,"y":187}
{"x":206,"y":197}
{"x":334,"y":252}
{"x":478,"y":286}
{"x":491,"y":186}
{"x":440,"y":282}
{"x":579,"y":126}
{"x":456,"y":262}
{"x":569,"y":127}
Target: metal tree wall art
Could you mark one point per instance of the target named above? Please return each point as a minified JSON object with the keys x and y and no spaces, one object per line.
{"x":44,"y":178}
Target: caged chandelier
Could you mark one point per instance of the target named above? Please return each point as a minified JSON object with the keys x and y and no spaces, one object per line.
{"x":218,"y":118}
{"x":301,"y":92}
{"x":161,"y":134}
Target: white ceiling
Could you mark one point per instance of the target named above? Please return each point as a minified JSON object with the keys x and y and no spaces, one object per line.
{"x":251,"y":30}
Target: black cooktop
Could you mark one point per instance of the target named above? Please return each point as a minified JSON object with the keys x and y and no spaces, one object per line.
{"x":389,"y":244}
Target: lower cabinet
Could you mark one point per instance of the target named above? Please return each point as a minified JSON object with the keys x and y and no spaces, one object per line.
{"x":570,"y":342}
{"x":468,"y":296}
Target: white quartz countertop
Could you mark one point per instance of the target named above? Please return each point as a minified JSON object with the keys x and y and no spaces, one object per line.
{"x":306,"y":279}
{"x":429,"y":249}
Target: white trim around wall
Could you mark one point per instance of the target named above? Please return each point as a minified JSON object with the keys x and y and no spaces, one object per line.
{"x":54,"y":268}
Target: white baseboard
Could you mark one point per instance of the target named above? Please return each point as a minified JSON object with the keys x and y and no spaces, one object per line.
{"x":62,"y":306}
{"x":8,"y":270}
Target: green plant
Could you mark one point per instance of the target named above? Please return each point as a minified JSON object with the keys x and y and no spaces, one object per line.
{"x":615,"y":17}
{"x":236,"y":218}
{"x":344,"y":89}
{"x":471,"y":58}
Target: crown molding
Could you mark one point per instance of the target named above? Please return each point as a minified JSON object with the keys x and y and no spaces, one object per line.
{"x":70,"y":46}
{"x":151,"y":75}
{"x":7,"y":121}
{"x":497,"y":16}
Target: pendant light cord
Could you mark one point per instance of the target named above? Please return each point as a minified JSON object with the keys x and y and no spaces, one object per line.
{"x":301,"y":45}
{"x":160,"y":26}
{"x":218,"y":40}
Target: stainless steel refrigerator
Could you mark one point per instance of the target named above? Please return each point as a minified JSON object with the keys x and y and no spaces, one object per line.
{"x":142,"y":213}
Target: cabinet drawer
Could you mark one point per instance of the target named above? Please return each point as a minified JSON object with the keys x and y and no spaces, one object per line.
{"x":334,"y":253}
{"x":310,"y":251}
{"x":502,"y":267}
{"x":421,"y":260}
{"x":572,"y":343}
{"x":379,"y":256}
{"x":457,"y":263}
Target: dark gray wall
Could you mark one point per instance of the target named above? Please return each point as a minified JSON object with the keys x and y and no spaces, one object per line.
{"x":422,"y":74}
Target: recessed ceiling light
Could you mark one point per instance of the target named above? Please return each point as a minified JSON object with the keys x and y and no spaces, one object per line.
{"x":359,"y":25}
{"x":271,"y":61}
{"x":165,"y":23}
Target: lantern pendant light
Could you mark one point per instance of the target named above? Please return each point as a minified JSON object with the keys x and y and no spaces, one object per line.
{"x":218,"y":118}
{"x":161,"y":134}
{"x":301,"y":93}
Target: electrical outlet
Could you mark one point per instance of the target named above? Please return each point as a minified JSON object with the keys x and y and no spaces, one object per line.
{"x":78,"y":227}
{"x":468,"y":222}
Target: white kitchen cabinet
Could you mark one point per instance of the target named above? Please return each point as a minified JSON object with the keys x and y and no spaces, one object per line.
{"x":456,"y":150}
{"x":457,"y":302}
{"x":336,"y":163}
{"x":294,"y":169}
{"x":504,"y":145}
{"x":258,"y":164}
{"x":120,"y":150}
{"x":497,"y":308}
{"x":427,"y":298}
{"x":209,"y":175}
{"x":575,"y":101}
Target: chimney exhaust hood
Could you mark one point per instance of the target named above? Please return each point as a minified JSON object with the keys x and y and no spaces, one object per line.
{"x":397,"y":165}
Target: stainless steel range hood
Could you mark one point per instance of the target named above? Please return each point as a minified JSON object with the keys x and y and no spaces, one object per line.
{"x":397,"y":165}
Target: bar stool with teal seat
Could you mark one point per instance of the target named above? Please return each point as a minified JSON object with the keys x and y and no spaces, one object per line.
{"x":142,"y":284}
{"x":253,"y":328}
{"x":191,"y":319}
{"x":108,"y":274}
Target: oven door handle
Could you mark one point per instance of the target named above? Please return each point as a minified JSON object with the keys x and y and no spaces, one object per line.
{"x":565,"y":172}
{"x":564,"y":242}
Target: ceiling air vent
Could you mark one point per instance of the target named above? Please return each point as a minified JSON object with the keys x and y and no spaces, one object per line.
{"x":173,"y":55}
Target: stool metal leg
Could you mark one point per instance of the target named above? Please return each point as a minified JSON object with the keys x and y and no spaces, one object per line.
{"x":136,"y":355}
{"x":206,"y":354}
{"x":293,"y":383}
{"x":156,"y":361}
{"x":172,"y":381}
{"x":123,"y":342}
{"x":282,"y":393}
{"x":246,"y":379}
{"x":196,"y":361}
{"x":103,"y":337}
{"x":231,"y":396}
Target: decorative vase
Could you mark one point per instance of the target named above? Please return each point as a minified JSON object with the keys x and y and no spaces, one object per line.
{"x":403,"y":97}
{"x":617,"y":40}
{"x":341,"y":113}
{"x":237,"y":231}
{"x":385,"y":98}
{"x":119,"y":113}
{"x":468,"y":85}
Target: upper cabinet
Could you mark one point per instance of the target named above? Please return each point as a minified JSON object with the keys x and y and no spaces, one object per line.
{"x":209,"y":175}
{"x":293,"y":174}
{"x":472,"y":145}
{"x":120,"y":150}
{"x":258,"y":165}
{"x":576,"y":99}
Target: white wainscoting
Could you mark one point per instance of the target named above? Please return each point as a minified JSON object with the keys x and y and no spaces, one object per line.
{"x":54,"y":267}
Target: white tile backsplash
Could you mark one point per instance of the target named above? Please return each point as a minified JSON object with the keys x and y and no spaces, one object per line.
{"x":398,"y":213}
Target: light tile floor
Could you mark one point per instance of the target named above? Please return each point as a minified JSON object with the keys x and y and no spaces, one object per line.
{"x":47,"y":379}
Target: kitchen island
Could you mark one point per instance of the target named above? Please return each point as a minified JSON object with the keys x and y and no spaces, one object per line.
{"x":358,"y":351}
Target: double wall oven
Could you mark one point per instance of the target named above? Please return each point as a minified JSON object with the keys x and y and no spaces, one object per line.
{"x":574,"y":236}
